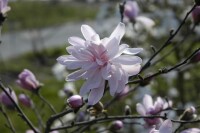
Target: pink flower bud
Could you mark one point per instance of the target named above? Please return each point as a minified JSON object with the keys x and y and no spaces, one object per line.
{"x":131,"y":10}
{"x":25,"y":100}
{"x":116,"y":125}
{"x":27,"y":80}
{"x":75,"y":101}
{"x":196,"y":14}
{"x":4,"y":99}
{"x":196,"y":57}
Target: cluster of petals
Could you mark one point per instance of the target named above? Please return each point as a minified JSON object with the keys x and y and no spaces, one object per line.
{"x":98,"y":60}
{"x":27,"y":80}
{"x":4,"y":8}
{"x":166,"y":127}
{"x":150,"y":108}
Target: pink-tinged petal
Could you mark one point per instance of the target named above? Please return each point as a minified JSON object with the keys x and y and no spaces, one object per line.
{"x":96,"y":94}
{"x":128,"y":60}
{"x":87,"y":32}
{"x":122,"y":47}
{"x":96,"y":39}
{"x":158,"y":105}
{"x":122,"y":82}
{"x":140,"y":109}
{"x":132,"y":51}
{"x":119,"y":31}
{"x":76,"y":41}
{"x":105,"y":72}
{"x":89,"y":65}
{"x":112,"y":47}
{"x":70,"y":62}
{"x":147,"y":102}
{"x":191,"y":130}
{"x":113,"y":84}
{"x":75,"y":75}
{"x":166,"y":127}
{"x":132,"y":69}
{"x":91,"y":83}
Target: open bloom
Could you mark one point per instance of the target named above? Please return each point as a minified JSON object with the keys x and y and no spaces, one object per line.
{"x":27,"y":80}
{"x":148,"y":108}
{"x":98,"y":60}
{"x":4,"y":8}
{"x":166,"y":127}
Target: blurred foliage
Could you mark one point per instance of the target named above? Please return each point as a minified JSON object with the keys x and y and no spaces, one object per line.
{"x":40,"y":14}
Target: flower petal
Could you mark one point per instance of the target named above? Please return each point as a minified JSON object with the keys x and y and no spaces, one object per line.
{"x":119,"y":31}
{"x":76,"y":41}
{"x":147,"y":102}
{"x":128,"y":60}
{"x":122,"y":47}
{"x":132,"y":51}
{"x":75,"y":75}
{"x":96,"y":94}
{"x":140,"y":109}
{"x":166,"y":127}
{"x":87,"y":32}
{"x":112,"y":47}
{"x":91,"y":83}
{"x":132,"y":69}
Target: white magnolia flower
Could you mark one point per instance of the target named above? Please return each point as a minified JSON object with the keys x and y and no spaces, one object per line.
{"x":98,"y":60}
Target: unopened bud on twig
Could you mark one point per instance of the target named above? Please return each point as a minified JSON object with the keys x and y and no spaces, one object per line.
{"x":188,"y":114}
{"x":116,"y":125}
{"x":75,"y":101}
{"x":127,"y":110}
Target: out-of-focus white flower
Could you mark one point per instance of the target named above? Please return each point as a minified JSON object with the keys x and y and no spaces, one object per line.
{"x":166,"y":127}
{"x":143,"y":22}
{"x":99,"y":60}
{"x":68,"y":90}
{"x":191,"y":130}
{"x":148,"y":108}
{"x":131,"y":13}
{"x":59,"y":71}
{"x":4,"y":8}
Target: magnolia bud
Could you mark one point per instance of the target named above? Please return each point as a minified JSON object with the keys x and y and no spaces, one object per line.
{"x":127,"y":110}
{"x":196,"y":15}
{"x":96,"y":109}
{"x":27,"y":80}
{"x":131,"y":10}
{"x":116,"y":125}
{"x":188,"y":114}
{"x":25,"y":100}
{"x":4,"y":98}
{"x":195,"y":58}
{"x":75,"y":101}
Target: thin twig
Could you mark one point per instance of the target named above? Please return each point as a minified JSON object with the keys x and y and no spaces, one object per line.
{"x":24,"y":117}
{"x":10,"y":125}
{"x":148,"y":63}
{"x":165,"y":70}
{"x":54,"y":117}
{"x":111,"y":118}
